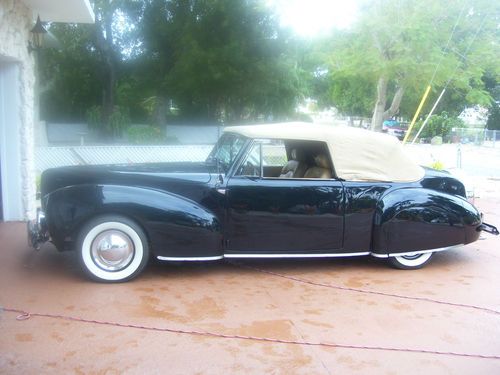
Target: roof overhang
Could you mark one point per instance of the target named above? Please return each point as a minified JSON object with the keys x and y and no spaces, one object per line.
{"x":68,"y":11}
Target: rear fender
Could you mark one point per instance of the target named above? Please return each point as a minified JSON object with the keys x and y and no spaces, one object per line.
{"x":416,"y":219}
{"x":175,"y":226}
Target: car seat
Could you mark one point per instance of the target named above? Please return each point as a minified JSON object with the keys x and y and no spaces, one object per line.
{"x":322,"y":168}
{"x":295,"y":167}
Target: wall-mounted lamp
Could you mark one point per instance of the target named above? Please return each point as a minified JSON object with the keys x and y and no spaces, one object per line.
{"x":37,"y":34}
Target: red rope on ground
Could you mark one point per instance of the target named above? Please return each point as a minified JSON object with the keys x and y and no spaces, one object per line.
{"x":25,"y":315}
{"x":366,"y":291}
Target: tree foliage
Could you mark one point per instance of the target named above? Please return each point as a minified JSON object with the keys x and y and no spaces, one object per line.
{"x":230,"y":61}
{"x":210,"y":60}
{"x":492,"y":85}
{"x":397,"y":44}
{"x":220,"y":60}
{"x":69,"y":77}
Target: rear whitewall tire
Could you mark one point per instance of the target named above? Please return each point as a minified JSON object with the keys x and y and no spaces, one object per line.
{"x":95,"y":265}
{"x":410,"y":261}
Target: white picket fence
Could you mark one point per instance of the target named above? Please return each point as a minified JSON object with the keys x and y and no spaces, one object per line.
{"x":51,"y":157}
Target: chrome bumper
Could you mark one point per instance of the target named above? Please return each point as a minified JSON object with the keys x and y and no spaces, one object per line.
{"x":38,"y":232}
{"x":488,"y":228}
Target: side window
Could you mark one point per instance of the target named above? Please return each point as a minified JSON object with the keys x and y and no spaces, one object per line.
{"x":274,"y":154}
{"x":251,"y":165}
{"x":308,"y":160}
{"x":265,"y":159}
{"x":287,"y":159}
{"x":320,"y":166}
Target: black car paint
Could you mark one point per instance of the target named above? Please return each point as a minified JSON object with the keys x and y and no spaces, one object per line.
{"x":275,"y":215}
{"x":175,"y":225}
{"x":192,"y":210}
{"x":178,"y":212}
{"x":415,"y":218}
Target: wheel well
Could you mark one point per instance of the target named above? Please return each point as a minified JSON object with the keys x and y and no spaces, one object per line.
{"x":97,"y":215}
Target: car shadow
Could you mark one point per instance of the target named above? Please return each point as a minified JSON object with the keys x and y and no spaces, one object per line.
{"x":48,"y":261}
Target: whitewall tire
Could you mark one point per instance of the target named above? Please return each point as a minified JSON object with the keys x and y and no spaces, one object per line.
{"x":410,"y":261}
{"x":112,"y":249}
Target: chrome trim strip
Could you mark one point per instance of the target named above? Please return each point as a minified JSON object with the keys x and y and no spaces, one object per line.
{"x":194,"y":259}
{"x":413,"y":252}
{"x":379,"y":255}
{"x":324,"y":255}
{"x":242,"y":256}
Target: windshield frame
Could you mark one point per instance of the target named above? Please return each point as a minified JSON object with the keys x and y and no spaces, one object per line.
{"x":224,"y":160}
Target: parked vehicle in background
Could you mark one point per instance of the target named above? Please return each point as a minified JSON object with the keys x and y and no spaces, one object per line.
{"x":395,"y":128}
{"x":292,"y":190}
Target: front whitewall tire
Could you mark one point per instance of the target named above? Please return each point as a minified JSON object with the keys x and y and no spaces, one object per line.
{"x":121,"y":228}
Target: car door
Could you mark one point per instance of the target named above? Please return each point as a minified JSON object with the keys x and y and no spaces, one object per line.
{"x":282,"y":216}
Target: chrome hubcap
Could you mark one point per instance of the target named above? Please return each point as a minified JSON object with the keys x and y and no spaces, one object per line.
{"x":112,"y":250}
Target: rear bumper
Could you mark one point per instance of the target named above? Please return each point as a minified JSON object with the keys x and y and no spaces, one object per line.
{"x":38,"y":232}
{"x":491,"y":229}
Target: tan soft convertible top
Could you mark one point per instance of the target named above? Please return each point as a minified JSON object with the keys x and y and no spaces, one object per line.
{"x":357,"y":154}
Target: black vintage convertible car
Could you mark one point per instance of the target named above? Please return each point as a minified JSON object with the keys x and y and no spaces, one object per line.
{"x":265,"y":191}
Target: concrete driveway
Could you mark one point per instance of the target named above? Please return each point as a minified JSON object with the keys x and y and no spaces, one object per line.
{"x":316,"y":304}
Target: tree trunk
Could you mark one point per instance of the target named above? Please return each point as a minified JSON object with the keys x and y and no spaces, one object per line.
{"x":104,"y":44}
{"x":109,"y":101}
{"x":160,"y":110}
{"x":380,"y":113}
{"x":396,"y":101}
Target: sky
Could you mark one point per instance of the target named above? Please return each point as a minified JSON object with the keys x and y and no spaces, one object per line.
{"x":311,"y":18}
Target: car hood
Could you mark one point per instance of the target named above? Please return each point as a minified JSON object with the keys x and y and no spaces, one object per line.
{"x":163,"y":176}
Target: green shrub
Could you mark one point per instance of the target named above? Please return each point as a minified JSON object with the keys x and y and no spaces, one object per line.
{"x":439,"y":125}
{"x":145,"y":134}
{"x":94,"y":117}
{"x":118,"y":120}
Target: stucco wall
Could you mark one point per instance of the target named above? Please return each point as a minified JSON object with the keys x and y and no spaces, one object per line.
{"x":15,"y":25}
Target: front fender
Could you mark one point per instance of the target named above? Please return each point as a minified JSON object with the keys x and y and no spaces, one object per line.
{"x":175,"y":226}
{"x":414,"y":219}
